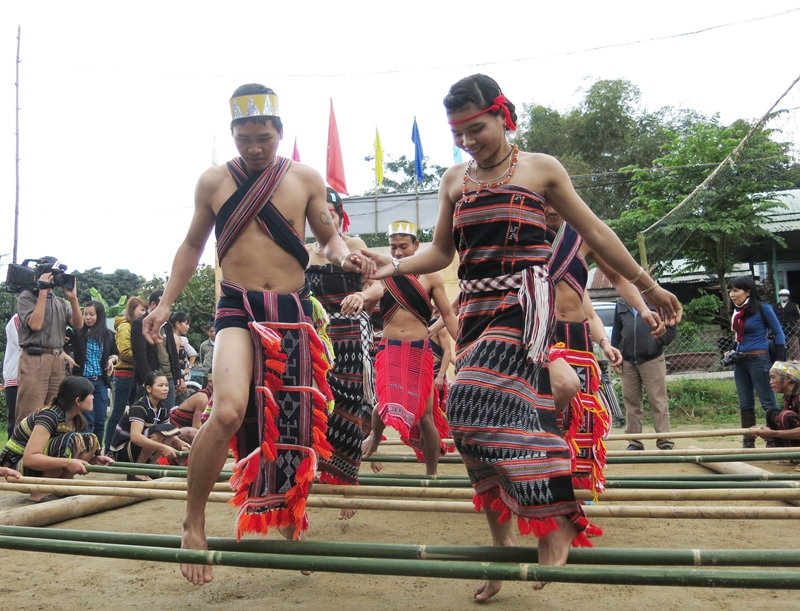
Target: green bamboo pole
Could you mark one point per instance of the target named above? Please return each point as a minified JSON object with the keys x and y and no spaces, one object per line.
{"x":689,"y":485}
{"x":598,"y":556}
{"x":623,"y":460}
{"x":710,"y":477}
{"x":420,"y":568}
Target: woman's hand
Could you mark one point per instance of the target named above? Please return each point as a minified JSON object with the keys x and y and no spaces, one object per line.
{"x":102,"y":460}
{"x":8,"y":472}
{"x":168,"y":451}
{"x":353,"y":304}
{"x":384,"y":266}
{"x":434,"y":329}
{"x":438,"y":381}
{"x":77,"y":466}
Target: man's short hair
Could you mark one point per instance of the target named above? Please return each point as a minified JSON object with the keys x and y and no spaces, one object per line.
{"x":155,"y":297}
{"x":256,"y":89}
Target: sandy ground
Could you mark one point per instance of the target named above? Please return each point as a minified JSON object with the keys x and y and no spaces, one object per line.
{"x":44,"y":581}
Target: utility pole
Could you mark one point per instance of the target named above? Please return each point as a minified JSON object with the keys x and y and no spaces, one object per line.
{"x":16,"y":157}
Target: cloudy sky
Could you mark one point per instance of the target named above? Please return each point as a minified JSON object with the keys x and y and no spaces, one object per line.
{"x":120,"y":102}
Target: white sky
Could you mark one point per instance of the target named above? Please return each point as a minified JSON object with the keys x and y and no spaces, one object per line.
{"x":120,"y":103}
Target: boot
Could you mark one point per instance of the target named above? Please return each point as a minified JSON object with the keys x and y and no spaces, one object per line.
{"x":748,"y":421}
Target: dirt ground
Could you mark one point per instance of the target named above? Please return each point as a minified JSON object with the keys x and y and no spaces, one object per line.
{"x":44,"y":581}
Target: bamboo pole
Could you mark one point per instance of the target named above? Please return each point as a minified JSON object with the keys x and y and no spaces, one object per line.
{"x":322,"y":494}
{"x":420,"y":568}
{"x":522,"y":554}
{"x":678,"y":452}
{"x":99,"y":483}
{"x":630,"y":458}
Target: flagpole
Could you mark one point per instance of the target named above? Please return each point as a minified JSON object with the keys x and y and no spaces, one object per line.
{"x":416,"y":196}
{"x":376,"y":204}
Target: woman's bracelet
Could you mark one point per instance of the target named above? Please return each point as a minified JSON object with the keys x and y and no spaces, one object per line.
{"x":637,"y":276}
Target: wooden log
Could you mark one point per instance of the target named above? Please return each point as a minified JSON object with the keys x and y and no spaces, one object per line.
{"x":741,"y":468}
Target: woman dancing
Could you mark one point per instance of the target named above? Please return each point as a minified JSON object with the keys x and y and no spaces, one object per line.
{"x":491,"y":212}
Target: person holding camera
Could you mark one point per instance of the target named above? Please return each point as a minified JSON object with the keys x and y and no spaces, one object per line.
{"x":751,"y":358}
{"x":43,"y":325}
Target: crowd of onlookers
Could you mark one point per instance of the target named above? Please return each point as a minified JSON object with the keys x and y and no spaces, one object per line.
{"x":62,"y":367}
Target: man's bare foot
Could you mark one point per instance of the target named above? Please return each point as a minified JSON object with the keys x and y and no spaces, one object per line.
{"x":554,"y":547}
{"x":346,"y":514}
{"x":198,"y":574}
{"x":376,"y":467}
{"x":368,"y":446}
{"x":486,"y":589}
{"x":288,"y":534}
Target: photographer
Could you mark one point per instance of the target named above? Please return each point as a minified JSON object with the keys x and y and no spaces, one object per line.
{"x":43,"y":324}
{"x":750,"y":322}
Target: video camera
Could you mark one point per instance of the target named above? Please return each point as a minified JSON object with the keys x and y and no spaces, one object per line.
{"x":24,"y":277}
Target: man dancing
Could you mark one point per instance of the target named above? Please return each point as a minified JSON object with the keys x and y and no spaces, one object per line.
{"x":404,"y":365}
{"x":269,"y":362}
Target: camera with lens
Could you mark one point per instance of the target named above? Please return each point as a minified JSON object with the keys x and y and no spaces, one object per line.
{"x":729,"y":359}
{"x":24,"y":277}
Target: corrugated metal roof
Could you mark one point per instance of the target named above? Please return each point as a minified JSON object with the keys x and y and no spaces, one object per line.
{"x":782,"y":220}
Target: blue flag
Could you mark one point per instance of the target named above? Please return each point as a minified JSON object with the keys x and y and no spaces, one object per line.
{"x":456,"y":154}
{"x":417,"y":151}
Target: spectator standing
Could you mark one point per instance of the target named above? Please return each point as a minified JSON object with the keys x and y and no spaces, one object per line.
{"x":11,"y":369}
{"x":148,"y":357}
{"x":788,"y":314}
{"x":124,"y":387}
{"x":187,"y":355}
{"x":750,"y":322}
{"x":43,"y":326}
{"x":95,"y":353}
{"x":207,"y":353}
{"x":643,"y":368}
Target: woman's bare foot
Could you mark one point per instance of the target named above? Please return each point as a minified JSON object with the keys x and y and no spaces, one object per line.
{"x":554,"y":547}
{"x":346,"y":514}
{"x":486,"y":589}
{"x":198,"y":574}
{"x":369,"y":445}
{"x":288,"y":534}
{"x":376,"y":467}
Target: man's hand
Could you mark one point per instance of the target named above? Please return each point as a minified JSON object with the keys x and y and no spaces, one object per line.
{"x":356,"y":263}
{"x":612,"y":354}
{"x":46,"y":278}
{"x":434,"y":329}
{"x":766,"y":433}
{"x":152,"y":323}
{"x":655,"y":322}
{"x":180,"y":387}
{"x":71,"y":294}
{"x":667,"y":305}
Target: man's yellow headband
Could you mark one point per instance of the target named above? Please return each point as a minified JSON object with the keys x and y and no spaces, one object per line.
{"x":404,"y":227}
{"x":256,"y":105}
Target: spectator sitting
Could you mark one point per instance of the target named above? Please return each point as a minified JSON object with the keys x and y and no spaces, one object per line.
{"x":783,"y":425}
{"x":51,"y":442}
{"x":144,"y":432}
{"x":188,"y":415}
{"x":95,"y":354}
{"x":124,"y":387}
{"x":207,"y":353}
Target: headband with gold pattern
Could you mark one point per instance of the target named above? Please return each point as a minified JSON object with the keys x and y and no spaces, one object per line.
{"x":788,"y":368}
{"x":404,"y":227}
{"x":256,"y":105}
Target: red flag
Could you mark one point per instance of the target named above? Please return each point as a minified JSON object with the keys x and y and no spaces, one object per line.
{"x":295,"y":152}
{"x":334,"y":169}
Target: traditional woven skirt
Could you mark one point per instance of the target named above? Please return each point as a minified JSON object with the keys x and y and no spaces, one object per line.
{"x":503,"y":420}
{"x":180,"y":417}
{"x":285,"y":422}
{"x":585,"y":422}
{"x":403,"y":383}
{"x":353,"y":396}
{"x":130,"y":452}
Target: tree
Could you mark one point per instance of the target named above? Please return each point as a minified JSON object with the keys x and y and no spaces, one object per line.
{"x":607,"y":131}
{"x":121,"y":283}
{"x":197,"y":299}
{"x":403,"y":179}
{"x":724,"y":216}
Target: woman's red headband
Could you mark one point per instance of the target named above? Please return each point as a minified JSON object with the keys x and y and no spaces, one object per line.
{"x":499,"y":103}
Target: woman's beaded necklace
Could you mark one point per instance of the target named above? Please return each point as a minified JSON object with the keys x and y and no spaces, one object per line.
{"x":490,"y":184}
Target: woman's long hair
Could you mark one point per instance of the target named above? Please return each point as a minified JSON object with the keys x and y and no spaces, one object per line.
{"x":70,"y":389}
{"x":98,"y":331}
{"x":746,"y":283}
{"x":130,"y":307}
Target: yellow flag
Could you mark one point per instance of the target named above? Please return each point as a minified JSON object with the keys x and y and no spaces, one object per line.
{"x":378,"y":159}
